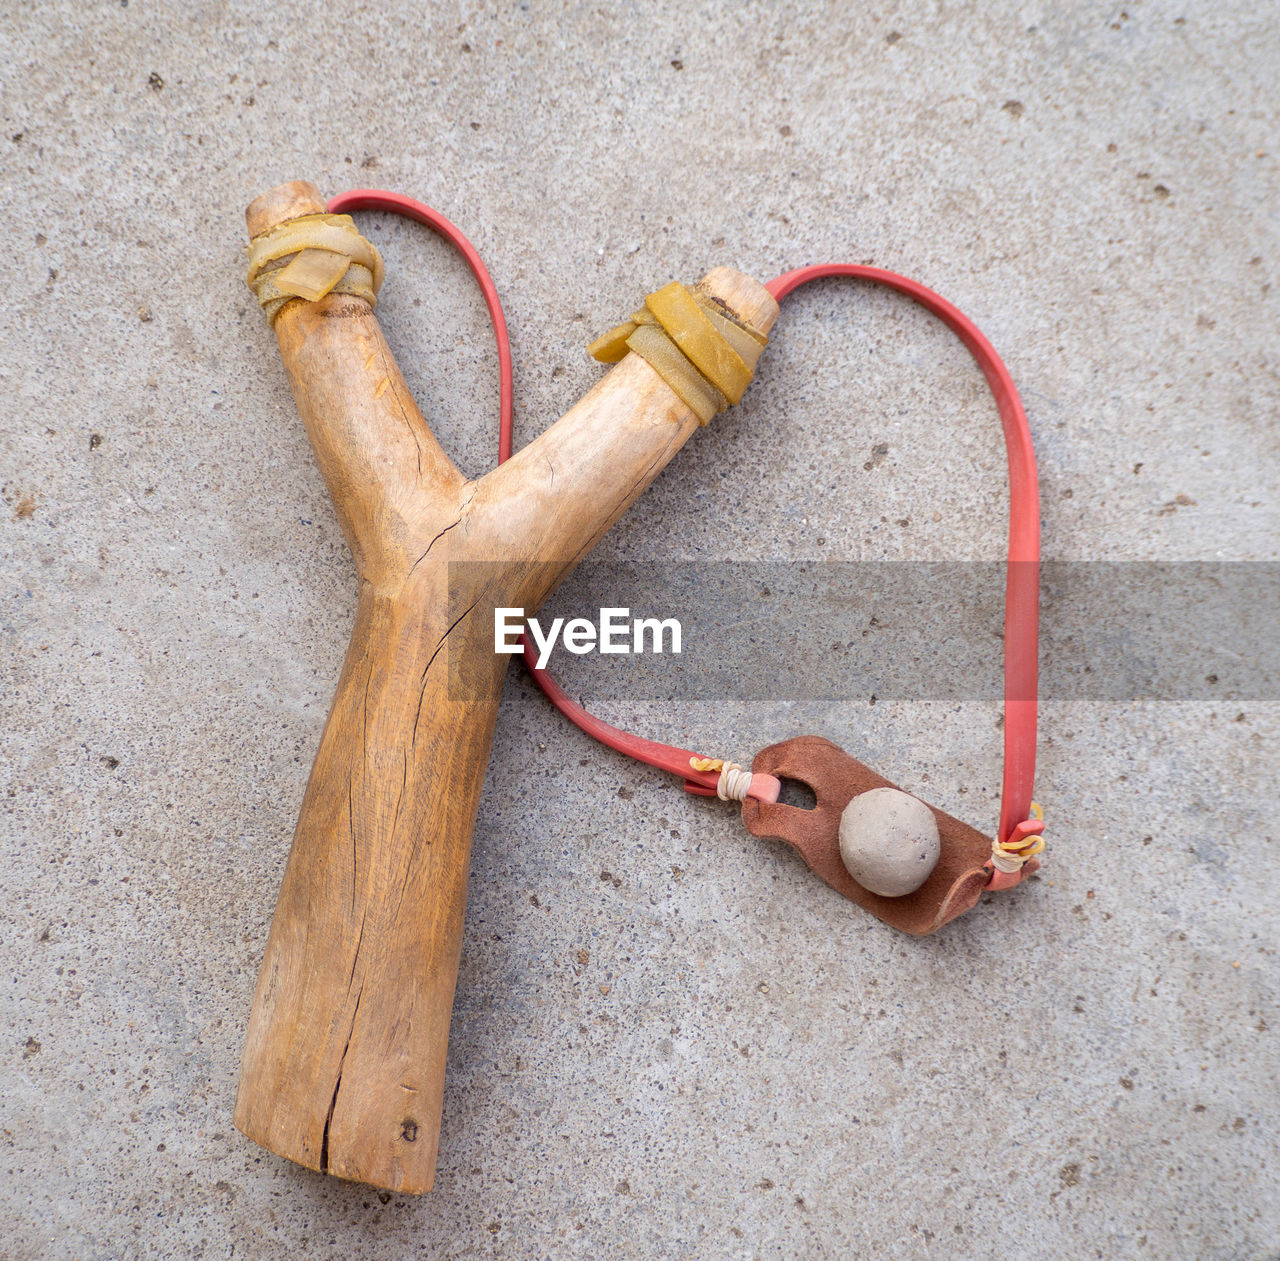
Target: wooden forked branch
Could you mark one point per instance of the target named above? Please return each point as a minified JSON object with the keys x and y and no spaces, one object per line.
{"x":344,"y":1060}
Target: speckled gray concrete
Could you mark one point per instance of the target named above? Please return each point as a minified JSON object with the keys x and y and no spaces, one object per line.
{"x":703,"y":1053}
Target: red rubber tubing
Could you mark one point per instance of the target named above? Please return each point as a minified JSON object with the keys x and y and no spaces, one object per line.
{"x":1022,"y":583}
{"x":1022,"y":571}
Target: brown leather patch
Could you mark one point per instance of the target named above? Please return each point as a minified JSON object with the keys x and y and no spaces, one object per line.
{"x":836,"y":778}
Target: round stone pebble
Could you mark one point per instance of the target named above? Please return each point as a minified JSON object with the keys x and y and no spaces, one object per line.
{"x":889,"y":841}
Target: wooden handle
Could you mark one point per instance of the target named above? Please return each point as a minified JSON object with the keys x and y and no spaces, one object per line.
{"x":344,"y":1060}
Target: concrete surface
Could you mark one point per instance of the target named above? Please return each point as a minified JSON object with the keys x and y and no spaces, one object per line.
{"x":703,"y":1053}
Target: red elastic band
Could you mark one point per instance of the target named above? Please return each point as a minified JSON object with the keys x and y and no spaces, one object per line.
{"x":1021,"y":634}
{"x":1022,"y":571}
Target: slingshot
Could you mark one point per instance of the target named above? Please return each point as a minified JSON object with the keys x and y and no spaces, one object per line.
{"x":344,"y":1060}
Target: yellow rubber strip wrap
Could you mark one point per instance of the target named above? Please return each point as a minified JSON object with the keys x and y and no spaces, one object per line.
{"x":310,"y":257}
{"x":688,"y":325}
{"x":312,"y":273}
{"x":611,"y":347}
{"x":700,"y":348}
{"x":662,"y":355}
{"x":739,"y":338}
{"x":358,"y":282}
